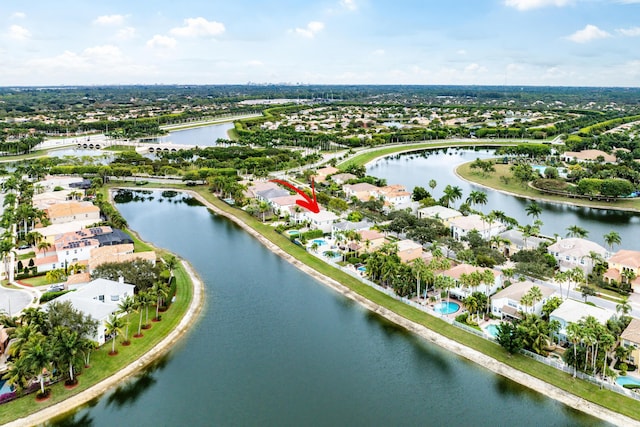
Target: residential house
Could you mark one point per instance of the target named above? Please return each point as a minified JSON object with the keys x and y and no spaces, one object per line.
{"x":507,"y":303}
{"x":322,"y":220}
{"x":343,"y":226}
{"x":572,"y":311}
{"x":439,"y":212}
{"x":270,"y":194}
{"x":362,"y":191}
{"x":60,"y":213}
{"x":343,"y":178}
{"x":322,"y":173}
{"x":99,"y":299}
{"x":461,"y":226}
{"x":622,"y":261}
{"x":281,"y":205}
{"x":513,"y":241}
{"x":631,"y":338}
{"x":587,"y":156}
{"x":393,"y":194}
{"x":408,"y":250}
{"x":372,"y":240}
{"x":576,"y":252}
{"x":461,"y":292}
{"x":118,"y":253}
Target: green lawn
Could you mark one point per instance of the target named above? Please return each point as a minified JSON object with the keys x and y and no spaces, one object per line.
{"x":36,"y":281}
{"x":103,"y":365}
{"x":493,"y":180}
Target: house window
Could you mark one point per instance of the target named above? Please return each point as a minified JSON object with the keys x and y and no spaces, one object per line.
{"x":566,"y":258}
{"x":115,"y":298}
{"x":67,"y":252}
{"x":101,"y":298}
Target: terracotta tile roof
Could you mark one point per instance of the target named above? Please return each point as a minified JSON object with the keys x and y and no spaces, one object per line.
{"x":627,"y":258}
{"x":70,"y":209}
{"x":632,"y":332}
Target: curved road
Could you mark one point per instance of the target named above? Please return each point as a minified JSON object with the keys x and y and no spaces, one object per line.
{"x":13,"y":301}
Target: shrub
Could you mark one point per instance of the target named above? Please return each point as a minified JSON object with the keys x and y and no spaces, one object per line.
{"x":48,"y":296}
{"x":353,"y":260}
{"x":313,"y":234}
{"x":631,"y":386}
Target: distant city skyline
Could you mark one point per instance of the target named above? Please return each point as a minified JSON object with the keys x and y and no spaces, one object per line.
{"x":457,"y":42}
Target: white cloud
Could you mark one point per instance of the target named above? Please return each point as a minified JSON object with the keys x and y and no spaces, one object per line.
{"x":378,"y":52}
{"x":18,"y":15}
{"x":109,"y":20}
{"x":474,"y":68}
{"x":535,"y":4}
{"x":628,"y":1}
{"x":312,"y":28}
{"x":162,"y":42}
{"x":629,"y":32}
{"x":126,"y":33}
{"x":198,"y":27}
{"x":587,"y":34}
{"x":461,"y":52}
{"x":255,"y":63}
{"x":103,"y":54}
{"x":349,"y":4}
{"x":17,"y":32}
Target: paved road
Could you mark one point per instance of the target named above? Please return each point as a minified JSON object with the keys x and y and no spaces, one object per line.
{"x":12,"y":300}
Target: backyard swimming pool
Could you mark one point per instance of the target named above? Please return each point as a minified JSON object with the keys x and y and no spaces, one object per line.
{"x":362,"y":268}
{"x":622,"y":380}
{"x":446,"y":307}
{"x":319,"y":242}
{"x":491,"y":330}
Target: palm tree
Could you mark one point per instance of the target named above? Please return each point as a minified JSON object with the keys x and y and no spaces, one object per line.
{"x":574,"y":334}
{"x":629,"y":276}
{"x":533,"y":210}
{"x":127,"y":306}
{"x":171,"y":261}
{"x":87,"y":347}
{"x":446,"y":283}
{"x":451,"y":194}
{"x":68,"y":349}
{"x":527,"y":301}
{"x":141,"y":301}
{"x":577,"y":231}
{"x":612,"y":238}
{"x":477,"y":198}
{"x":536,"y":295}
{"x":37,"y":355}
{"x":159,"y":291}
{"x":624,"y":306}
{"x":18,"y":374}
{"x":432,"y":184}
{"x":113,"y":327}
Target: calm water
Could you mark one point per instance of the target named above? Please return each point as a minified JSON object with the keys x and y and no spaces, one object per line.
{"x":416,"y":169}
{"x":201,"y":136}
{"x":274,"y":347}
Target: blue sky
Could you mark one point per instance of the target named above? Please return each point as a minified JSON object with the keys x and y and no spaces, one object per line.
{"x":517,"y":42}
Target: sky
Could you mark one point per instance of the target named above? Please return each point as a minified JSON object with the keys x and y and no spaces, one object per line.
{"x":426,"y":42}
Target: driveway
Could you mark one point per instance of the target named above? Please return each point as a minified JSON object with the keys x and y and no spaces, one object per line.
{"x":12,"y":300}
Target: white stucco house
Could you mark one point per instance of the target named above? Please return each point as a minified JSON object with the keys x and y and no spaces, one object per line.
{"x":99,"y":299}
{"x":507,"y":302}
{"x":572,"y":311}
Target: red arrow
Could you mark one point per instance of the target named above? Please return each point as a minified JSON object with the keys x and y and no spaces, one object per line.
{"x":307,"y":203}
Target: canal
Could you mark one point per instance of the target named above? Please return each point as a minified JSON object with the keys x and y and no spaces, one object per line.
{"x":276,"y":347}
{"x":417,"y":168}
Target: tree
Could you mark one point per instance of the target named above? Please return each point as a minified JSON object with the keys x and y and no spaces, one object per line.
{"x":159,"y":291}
{"x":432,"y":184}
{"x":587,"y":291}
{"x":509,"y":337}
{"x":533,"y":210}
{"x":612,"y":238}
{"x":127,"y":306}
{"x":577,"y":231}
{"x":451,"y":194}
{"x":114,"y":327}
{"x":477,"y":198}
{"x":420,"y":193}
{"x":141,"y":301}
{"x":624,"y":307}
{"x":67,"y":349}
{"x":574,"y":334}
{"x":37,"y":356}
{"x":142,"y":273}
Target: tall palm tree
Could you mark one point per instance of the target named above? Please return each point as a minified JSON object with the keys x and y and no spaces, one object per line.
{"x":577,"y":231}
{"x":67,"y":349}
{"x":113,"y":327}
{"x":432,"y":184}
{"x":127,"y":306}
{"x":533,"y":210}
{"x":477,"y":198}
{"x":536,"y":295}
{"x":37,"y":355}
{"x":451,"y":194}
{"x":624,"y":306}
{"x":159,"y":291}
{"x":574,"y":334}
{"x":612,"y":238}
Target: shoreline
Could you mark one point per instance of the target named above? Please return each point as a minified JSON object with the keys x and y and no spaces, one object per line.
{"x":162,"y":348}
{"x":470,"y":354}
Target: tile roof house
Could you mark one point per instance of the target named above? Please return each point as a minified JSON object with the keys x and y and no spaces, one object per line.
{"x":322,"y":173}
{"x":343,"y":226}
{"x":461,"y":291}
{"x":630,"y":337}
{"x":118,"y":253}
{"x":621,"y":261}
{"x":372,"y":240}
{"x":322,"y":220}
{"x":572,"y":311}
{"x":342,"y":178}
{"x":439,"y":212}
{"x":507,"y":302}
{"x":408,"y":250}
{"x":362,"y":191}
{"x":461,"y":226}
{"x":575,"y":252}
{"x":71,"y":211}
